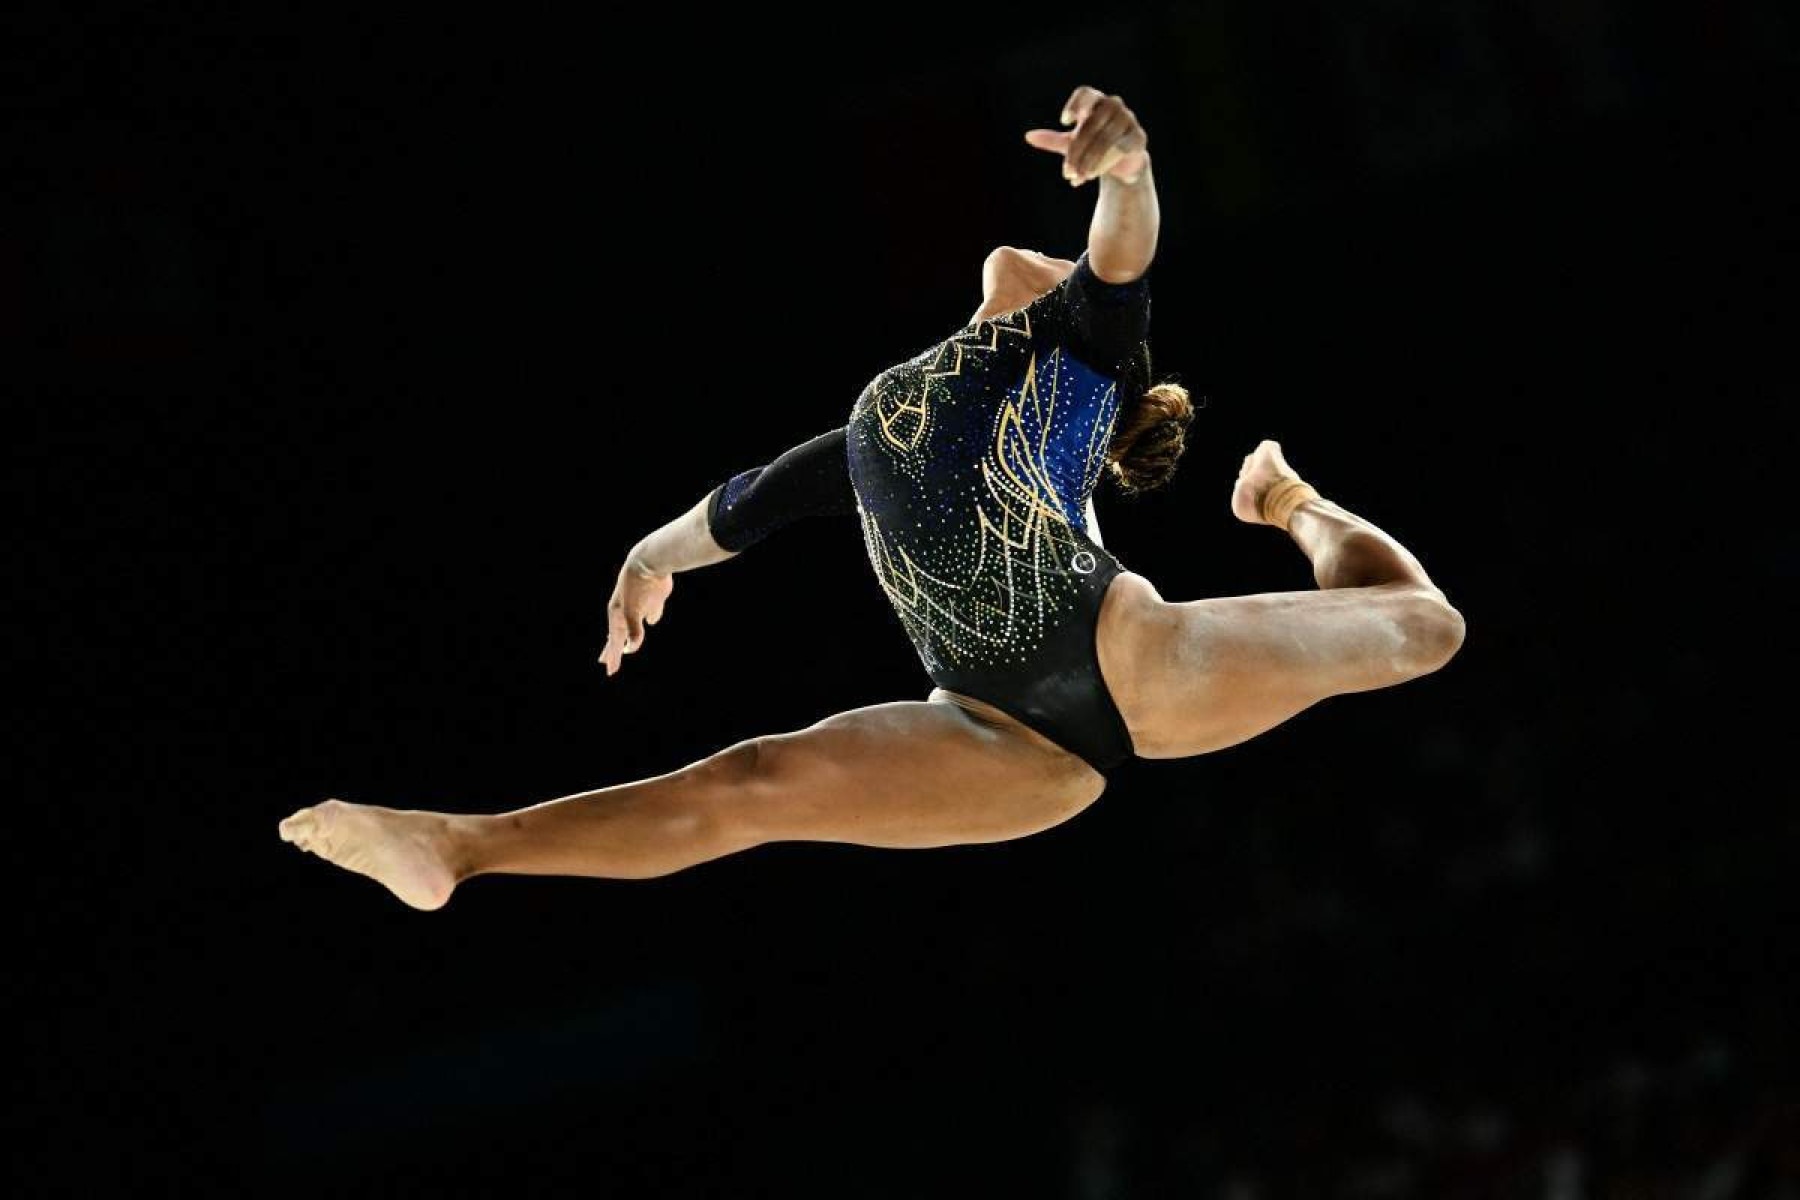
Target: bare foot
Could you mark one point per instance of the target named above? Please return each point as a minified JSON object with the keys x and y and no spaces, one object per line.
{"x":1263,"y":468}
{"x":403,"y":851}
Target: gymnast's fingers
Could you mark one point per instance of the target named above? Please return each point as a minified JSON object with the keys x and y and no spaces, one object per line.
{"x":1134,"y":141}
{"x":1114,"y":153}
{"x":1079,"y":102}
{"x":615,"y":636}
{"x":1105,"y":123}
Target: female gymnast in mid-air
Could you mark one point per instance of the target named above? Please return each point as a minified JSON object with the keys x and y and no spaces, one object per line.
{"x":970,"y":468}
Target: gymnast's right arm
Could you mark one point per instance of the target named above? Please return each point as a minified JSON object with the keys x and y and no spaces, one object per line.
{"x":812,"y":479}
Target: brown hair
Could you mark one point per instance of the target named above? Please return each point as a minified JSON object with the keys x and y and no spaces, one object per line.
{"x":1148,"y":440}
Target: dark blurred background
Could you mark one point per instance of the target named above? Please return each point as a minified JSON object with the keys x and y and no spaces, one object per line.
{"x":351,"y":354}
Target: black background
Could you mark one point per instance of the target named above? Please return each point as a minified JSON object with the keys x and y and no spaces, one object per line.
{"x":355,"y":352}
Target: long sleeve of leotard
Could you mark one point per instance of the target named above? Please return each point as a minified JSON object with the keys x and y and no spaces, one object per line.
{"x":812,"y":479}
{"x":1104,"y":324}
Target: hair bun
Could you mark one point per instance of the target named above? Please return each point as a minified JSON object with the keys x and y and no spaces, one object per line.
{"x":1148,"y":441}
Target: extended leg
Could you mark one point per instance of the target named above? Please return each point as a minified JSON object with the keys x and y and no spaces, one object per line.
{"x":897,"y":775}
{"x":1195,"y":677}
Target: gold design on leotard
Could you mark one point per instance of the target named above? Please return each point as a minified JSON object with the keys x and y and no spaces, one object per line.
{"x":924,"y":602}
{"x":1025,"y":467}
{"x":903,"y":395}
{"x":1018,"y":323}
{"x":1010,"y":576}
{"x":890,"y":411}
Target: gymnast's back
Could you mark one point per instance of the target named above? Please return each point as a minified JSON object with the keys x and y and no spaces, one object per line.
{"x":970,"y":467}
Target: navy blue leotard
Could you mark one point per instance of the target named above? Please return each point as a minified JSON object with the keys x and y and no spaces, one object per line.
{"x":970,"y":467}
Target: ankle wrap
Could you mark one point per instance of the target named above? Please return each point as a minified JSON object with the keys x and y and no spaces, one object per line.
{"x":1280,"y":501}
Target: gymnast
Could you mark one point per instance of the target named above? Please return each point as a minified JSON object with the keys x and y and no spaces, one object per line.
{"x":970,"y":469}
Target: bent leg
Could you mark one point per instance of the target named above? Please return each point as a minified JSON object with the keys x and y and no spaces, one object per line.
{"x":1212,"y":673}
{"x":1195,"y":677}
{"x":908,"y":775}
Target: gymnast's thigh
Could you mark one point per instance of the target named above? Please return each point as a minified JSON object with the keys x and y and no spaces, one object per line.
{"x":908,"y":775}
{"x":1194,"y":677}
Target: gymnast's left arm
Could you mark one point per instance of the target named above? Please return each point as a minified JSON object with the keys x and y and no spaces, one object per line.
{"x":812,"y":479}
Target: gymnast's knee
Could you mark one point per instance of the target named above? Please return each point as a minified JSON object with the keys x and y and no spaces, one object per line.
{"x":1433,"y":630}
{"x":731,"y":791}
{"x":747,"y":766}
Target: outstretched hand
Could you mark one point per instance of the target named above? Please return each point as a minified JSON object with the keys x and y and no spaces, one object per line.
{"x":1106,"y":139}
{"x":637,"y":601}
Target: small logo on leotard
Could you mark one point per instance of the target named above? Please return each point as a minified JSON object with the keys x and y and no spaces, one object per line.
{"x":1083,"y":563}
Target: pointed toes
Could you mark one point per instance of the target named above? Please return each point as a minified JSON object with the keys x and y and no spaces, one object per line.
{"x":298,"y":828}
